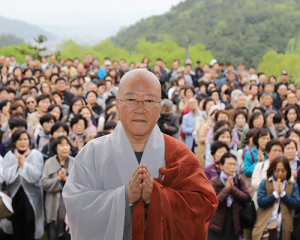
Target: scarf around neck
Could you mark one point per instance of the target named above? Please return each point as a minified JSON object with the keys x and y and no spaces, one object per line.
{"x":223,"y":178}
{"x":25,"y":154}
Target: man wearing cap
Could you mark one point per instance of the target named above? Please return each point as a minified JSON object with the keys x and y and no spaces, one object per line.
{"x":107,"y":66}
{"x":284,"y":78}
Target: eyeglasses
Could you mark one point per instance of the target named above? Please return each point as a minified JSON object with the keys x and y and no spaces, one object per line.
{"x":134,"y":103}
{"x":231,"y":164}
{"x":29,"y":102}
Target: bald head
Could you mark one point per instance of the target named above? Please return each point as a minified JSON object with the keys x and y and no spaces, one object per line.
{"x":137,"y":78}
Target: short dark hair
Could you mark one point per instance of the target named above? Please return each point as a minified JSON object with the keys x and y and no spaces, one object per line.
{"x":52,"y":106}
{"x":110,"y":125}
{"x":42,"y":97}
{"x":225,"y":156}
{"x":290,"y":131}
{"x":16,"y":135}
{"x":285,"y":163}
{"x":189,"y":88}
{"x":220,"y":132}
{"x":206,"y":101}
{"x":3,"y":103}
{"x":3,"y":89}
{"x":59,"y":124}
{"x":288,"y":109}
{"x":287,"y":141}
{"x":217,"y":145}
{"x":260,"y":133}
{"x":255,"y":116}
{"x":272,"y":143}
{"x":76,"y":119}
{"x":240,"y":112}
{"x":60,"y":79}
{"x":57,"y":141}
{"x":91,"y":92}
{"x":277,"y":117}
{"x":221,"y":124}
{"x":17,"y":122}
{"x":47,"y":118}
{"x":221,"y":112}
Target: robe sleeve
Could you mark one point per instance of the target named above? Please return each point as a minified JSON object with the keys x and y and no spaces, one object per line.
{"x":127,"y":234}
{"x":93,"y":213}
{"x":181,"y":210}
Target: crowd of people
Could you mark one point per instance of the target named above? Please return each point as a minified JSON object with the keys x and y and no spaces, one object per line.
{"x":243,"y":126}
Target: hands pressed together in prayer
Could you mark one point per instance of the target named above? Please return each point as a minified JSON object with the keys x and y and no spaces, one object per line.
{"x":140,"y":185}
{"x":21,"y":160}
{"x":62,"y":175}
{"x":278,"y":187}
{"x":229,"y":183}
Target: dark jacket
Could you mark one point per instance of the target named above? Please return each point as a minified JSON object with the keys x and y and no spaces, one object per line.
{"x":239,"y":195}
{"x":68,"y":97}
{"x":171,"y":121}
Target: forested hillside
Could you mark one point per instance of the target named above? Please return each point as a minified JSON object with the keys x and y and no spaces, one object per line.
{"x":22,"y":29}
{"x":235,"y":30}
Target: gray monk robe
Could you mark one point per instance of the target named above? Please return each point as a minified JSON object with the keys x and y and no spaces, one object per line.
{"x":95,"y":192}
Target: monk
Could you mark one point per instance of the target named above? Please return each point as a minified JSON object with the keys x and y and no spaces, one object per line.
{"x":137,"y":183}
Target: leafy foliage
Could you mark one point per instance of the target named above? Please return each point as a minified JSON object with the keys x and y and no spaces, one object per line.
{"x":235,"y":30}
{"x":167,"y":49}
{"x":273,"y":63}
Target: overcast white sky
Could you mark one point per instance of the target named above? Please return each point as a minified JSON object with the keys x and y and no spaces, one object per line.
{"x":70,"y":12}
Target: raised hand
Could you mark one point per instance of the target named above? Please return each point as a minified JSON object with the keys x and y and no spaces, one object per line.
{"x":229,"y":183}
{"x":134,"y":186}
{"x":278,"y":187}
{"x":147,"y":186}
{"x":21,"y":160}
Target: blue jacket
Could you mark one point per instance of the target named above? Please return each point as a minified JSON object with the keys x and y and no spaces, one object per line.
{"x":265,"y":200}
{"x":248,"y":161}
{"x":188,"y":123}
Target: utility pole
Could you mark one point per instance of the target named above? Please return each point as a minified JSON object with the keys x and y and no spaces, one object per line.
{"x":187,"y":49}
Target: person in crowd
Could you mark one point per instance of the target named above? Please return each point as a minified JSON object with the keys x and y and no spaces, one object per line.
{"x":58,"y":129}
{"x":43,"y":103}
{"x":75,"y":105}
{"x":22,"y":171}
{"x":55,"y":174}
{"x":274,"y":149}
{"x":91,"y":99}
{"x":43,"y":136}
{"x":89,"y":134}
{"x":278,"y":196}
{"x":279,"y":129}
{"x":290,"y":152}
{"x":223,"y":134}
{"x":269,"y":115}
{"x":240,"y":120}
{"x":30,"y":105}
{"x":231,"y":191}
{"x":256,"y":121}
{"x":86,"y":112}
{"x":4,"y":111}
{"x":291,"y":116}
{"x":218,"y":149}
{"x":78,"y":124}
{"x":257,"y":153}
{"x":57,"y":98}
{"x":60,"y":86}
{"x":188,"y":121}
{"x":168,"y":121}
{"x":56,"y":111}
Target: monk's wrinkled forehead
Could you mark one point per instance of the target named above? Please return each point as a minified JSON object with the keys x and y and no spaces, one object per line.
{"x":140,"y":80}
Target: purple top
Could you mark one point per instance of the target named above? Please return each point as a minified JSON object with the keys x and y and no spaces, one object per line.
{"x":210,"y":171}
